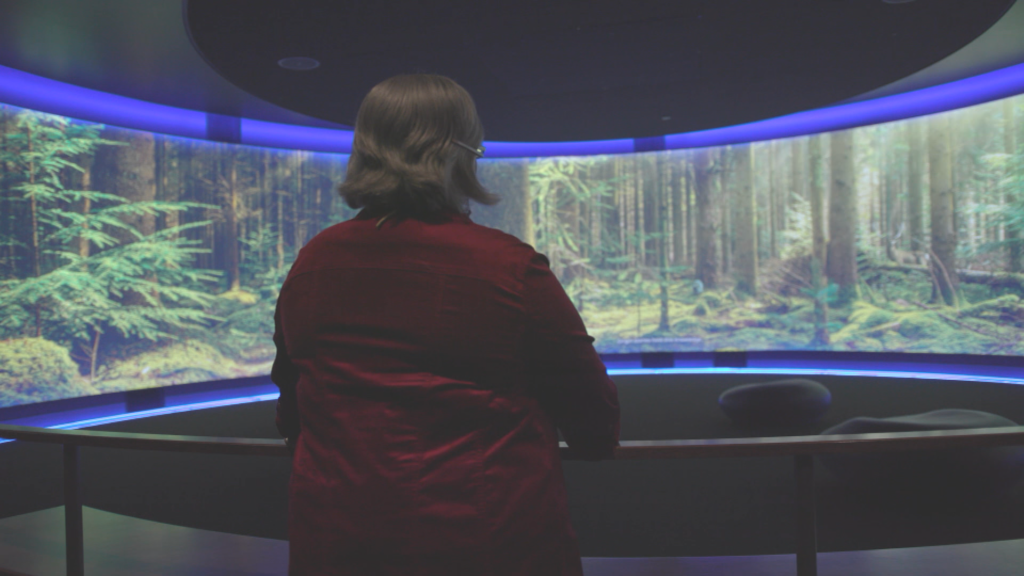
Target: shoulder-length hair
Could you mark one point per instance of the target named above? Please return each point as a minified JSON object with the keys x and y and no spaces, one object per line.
{"x":405,"y":158}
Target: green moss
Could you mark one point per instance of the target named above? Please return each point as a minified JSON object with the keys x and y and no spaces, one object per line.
{"x":255,"y":319}
{"x":711,"y":299}
{"x":240,"y":296}
{"x":1005,"y":304}
{"x":754,"y":339}
{"x":858,"y":342}
{"x":894,"y":342}
{"x":178,"y":363}
{"x":37,"y":370}
{"x":924,"y":325}
{"x":877,"y":317}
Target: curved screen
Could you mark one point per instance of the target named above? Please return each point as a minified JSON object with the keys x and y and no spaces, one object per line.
{"x":133,"y":260}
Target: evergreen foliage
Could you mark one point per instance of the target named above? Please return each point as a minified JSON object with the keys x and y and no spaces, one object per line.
{"x":37,"y":370}
{"x":137,"y":291}
{"x":143,"y":288}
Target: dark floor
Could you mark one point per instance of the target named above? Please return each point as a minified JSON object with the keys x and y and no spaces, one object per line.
{"x":115,"y":545}
{"x":712,"y":507}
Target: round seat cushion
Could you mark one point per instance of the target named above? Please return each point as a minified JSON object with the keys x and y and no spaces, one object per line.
{"x":964,"y":471}
{"x":793,"y":402}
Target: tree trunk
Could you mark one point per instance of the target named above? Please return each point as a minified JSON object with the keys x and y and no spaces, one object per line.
{"x":280,"y":176}
{"x":943,"y":233}
{"x":83,"y":242}
{"x":128,"y":171}
{"x":298,"y":201}
{"x":529,"y":236}
{"x":678,"y":229}
{"x":649,"y":191}
{"x":723,"y":193}
{"x":1014,"y":249}
{"x":7,"y":216}
{"x":596,"y":221}
{"x":816,"y":169}
{"x":34,"y":212}
{"x":166,"y":164}
{"x":663,"y":241}
{"x":773,"y":225}
{"x":691,"y":233}
{"x":279,"y":248}
{"x":745,"y":223}
{"x":915,"y":185}
{"x":707,"y":218}
{"x":889,"y":197}
{"x":641,"y":222}
{"x":508,"y":215}
{"x":233,"y":246}
{"x":841,"y":261}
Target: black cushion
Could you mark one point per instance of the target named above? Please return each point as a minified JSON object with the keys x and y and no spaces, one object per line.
{"x":794,"y":402}
{"x":974,"y":470}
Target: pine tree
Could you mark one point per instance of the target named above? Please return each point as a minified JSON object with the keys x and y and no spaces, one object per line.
{"x":70,"y":296}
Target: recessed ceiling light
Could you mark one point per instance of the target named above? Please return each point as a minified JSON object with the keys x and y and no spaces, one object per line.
{"x":298,"y":63}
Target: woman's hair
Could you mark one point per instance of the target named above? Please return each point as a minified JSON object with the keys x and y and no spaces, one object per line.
{"x":404,"y":156}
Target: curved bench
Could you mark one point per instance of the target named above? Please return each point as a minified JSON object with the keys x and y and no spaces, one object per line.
{"x":791,"y":402}
{"x":965,"y":472}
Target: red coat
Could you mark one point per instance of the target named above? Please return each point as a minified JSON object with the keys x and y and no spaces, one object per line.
{"x":427,"y":366}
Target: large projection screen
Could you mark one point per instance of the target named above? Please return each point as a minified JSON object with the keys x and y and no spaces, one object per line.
{"x":133,"y":260}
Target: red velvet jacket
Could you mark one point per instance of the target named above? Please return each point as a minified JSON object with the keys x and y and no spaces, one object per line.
{"x":424,"y":368}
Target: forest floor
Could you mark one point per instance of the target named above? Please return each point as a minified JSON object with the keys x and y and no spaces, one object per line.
{"x":176,"y":363}
{"x":895,"y":312}
{"x":240,"y":345}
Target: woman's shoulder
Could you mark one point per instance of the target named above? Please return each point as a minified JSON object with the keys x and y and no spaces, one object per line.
{"x":509,"y":244}
{"x":463,"y":239}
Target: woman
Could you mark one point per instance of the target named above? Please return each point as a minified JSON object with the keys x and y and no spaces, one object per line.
{"x":425,"y":362}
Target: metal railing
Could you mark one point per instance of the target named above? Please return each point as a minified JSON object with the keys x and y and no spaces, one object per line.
{"x":801,"y":448}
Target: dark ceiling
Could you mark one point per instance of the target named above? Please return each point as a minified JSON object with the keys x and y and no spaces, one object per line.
{"x":567,"y":70}
{"x":586,"y":70}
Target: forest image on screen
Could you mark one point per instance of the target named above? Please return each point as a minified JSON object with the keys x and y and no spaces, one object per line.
{"x":132,"y":260}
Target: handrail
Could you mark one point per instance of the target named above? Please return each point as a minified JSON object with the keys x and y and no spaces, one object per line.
{"x":628,"y":450}
{"x":156,"y":442}
{"x":802,"y":448}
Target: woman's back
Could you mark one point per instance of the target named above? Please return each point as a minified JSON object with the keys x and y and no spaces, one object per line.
{"x":426,"y":366}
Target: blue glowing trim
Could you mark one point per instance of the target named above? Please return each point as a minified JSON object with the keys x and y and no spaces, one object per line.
{"x":823,"y":372}
{"x":544,"y":149}
{"x":291,"y":137}
{"x":611,"y":372}
{"x":159,"y":412}
{"x":37,"y":93}
{"x":163,"y":411}
{"x":944,"y":97}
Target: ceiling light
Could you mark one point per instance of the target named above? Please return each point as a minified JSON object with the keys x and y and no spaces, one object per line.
{"x":298,"y":63}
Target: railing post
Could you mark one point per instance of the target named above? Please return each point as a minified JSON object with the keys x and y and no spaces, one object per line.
{"x":73,"y":538}
{"x":806,"y":529}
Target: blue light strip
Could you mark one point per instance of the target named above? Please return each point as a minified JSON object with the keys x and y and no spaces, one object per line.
{"x":159,"y":412}
{"x":291,"y":137}
{"x":43,"y":94}
{"x":545,"y":149}
{"x":1001,"y":83}
{"x":825,"y":372}
{"x":611,"y":372}
{"x":37,"y":93}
